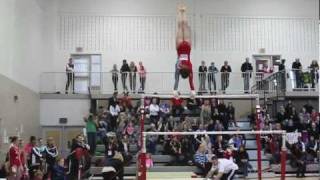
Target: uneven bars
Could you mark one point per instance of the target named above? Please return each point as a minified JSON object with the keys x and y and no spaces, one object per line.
{"x":215,"y":132}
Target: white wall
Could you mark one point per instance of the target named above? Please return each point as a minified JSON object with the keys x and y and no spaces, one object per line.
{"x":73,"y":109}
{"x":23,"y":45}
{"x":222,"y":30}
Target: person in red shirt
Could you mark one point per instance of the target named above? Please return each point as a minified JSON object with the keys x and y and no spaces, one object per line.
{"x":177,"y":105}
{"x":14,"y":160}
{"x":183,"y":44}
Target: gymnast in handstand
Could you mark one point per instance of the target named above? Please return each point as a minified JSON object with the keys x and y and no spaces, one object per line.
{"x":183,"y":66}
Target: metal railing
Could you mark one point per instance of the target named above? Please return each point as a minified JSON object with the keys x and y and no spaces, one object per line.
{"x":160,"y":82}
{"x":277,"y":84}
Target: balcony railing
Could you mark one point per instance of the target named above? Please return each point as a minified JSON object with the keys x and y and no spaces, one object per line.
{"x":163,"y":82}
{"x":160,"y":82}
{"x":277,"y":84}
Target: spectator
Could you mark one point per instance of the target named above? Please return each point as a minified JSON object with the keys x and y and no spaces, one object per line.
{"x":116,"y":162}
{"x":114,"y":111}
{"x":282,"y":76}
{"x":176,"y":150}
{"x":231,"y":114}
{"x":201,"y":160}
{"x":202,"y":76}
{"x":125,"y":70}
{"x":297,"y":70}
{"x":298,"y":160}
{"x":212,"y":70}
{"x":149,"y":161}
{"x":125,"y":102}
{"x":177,"y":107}
{"x":312,"y":147}
{"x":15,"y":165}
{"x":113,"y":101}
{"x":242,"y":159}
{"x":152,"y":140}
{"x":314,"y":68}
{"x":91,"y":129}
{"x":205,"y":114}
{"x":51,"y":153}
{"x":70,"y":75}
{"x":115,"y":77}
{"x":28,"y":147}
{"x":154,"y":110}
{"x":59,"y":170}
{"x":133,"y":77}
{"x":246,"y":69}
{"x":225,"y":73}
{"x":142,"y":75}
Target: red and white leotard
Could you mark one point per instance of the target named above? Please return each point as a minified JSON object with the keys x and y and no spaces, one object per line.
{"x":184,"y":60}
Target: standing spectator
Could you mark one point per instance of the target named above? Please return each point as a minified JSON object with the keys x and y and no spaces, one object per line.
{"x":246,"y":69}
{"x":177,"y":107}
{"x":225,"y":70}
{"x":282,"y":76}
{"x":298,"y":160}
{"x":297,"y":70}
{"x":231,"y":114}
{"x":51,"y":153}
{"x":15,"y":165}
{"x":28,"y":147}
{"x":205,"y":114}
{"x":314,"y":68}
{"x":154,"y":110}
{"x":125,"y":70}
{"x":114,"y":110}
{"x":91,"y":128}
{"x":115,"y":77}
{"x":202,"y":76}
{"x":133,"y":77}
{"x":142,"y":75}
{"x":212,"y":70}
{"x":70,"y":75}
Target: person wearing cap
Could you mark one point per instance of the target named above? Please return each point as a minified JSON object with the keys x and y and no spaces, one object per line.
{"x":224,"y":167}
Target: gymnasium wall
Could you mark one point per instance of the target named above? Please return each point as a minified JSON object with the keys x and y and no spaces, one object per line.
{"x":21,"y":115}
{"x":144,"y":30}
{"x":24,"y":41}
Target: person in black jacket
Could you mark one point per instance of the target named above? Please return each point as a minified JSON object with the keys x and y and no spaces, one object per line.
{"x":282,"y":76}
{"x":246,"y":69}
{"x":202,"y":76}
{"x":51,"y":153}
{"x":225,"y":70}
{"x":125,"y":70}
{"x":212,"y":70}
{"x":314,"y":67}
{"x":242,"y":160}
{"x":297,"y":70}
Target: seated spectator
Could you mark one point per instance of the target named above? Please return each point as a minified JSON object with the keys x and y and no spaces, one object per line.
{"x":164,"y":109}
{"x":102,"y":127}
{"x":201,"y":160}
{"x":149,"y":161}
{"x":242,"y":159}
{"x":193,"y":105}
{"x":176,"y":151}
{"x":125,"y":102}
{"x":129,"y":130}
{"x":114,"y":168}
{"x":312,"y":148}
{"x":152,"y":140}
{"x":124,"y":149}
{"x":236,"y":141}
{"x":177,"y":106}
